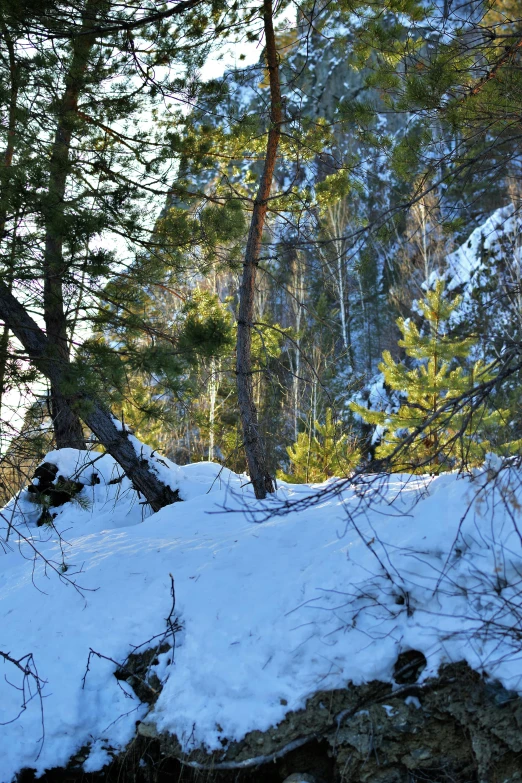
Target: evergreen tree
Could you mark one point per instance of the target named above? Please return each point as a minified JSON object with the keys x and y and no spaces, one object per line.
{"x":81,"y":172}
{"x":306,"y":179}
{"x":438,"y":438}
{"x":321,"y":454}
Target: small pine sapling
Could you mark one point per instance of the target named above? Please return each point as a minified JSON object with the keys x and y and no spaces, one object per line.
{"x":444,"y":438}
{"x":322,"y":454}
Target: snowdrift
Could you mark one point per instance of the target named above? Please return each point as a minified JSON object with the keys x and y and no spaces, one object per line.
{"x":248,"y":619}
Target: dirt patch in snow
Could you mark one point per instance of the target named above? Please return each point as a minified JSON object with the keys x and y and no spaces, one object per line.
{"x":456,"y":728}
{"x":137,"y":671}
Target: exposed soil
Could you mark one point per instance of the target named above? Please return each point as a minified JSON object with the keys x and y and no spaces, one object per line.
{"x":456,"y":728}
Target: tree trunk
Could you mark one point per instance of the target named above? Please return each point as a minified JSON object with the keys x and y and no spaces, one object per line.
{"x":41,"y":352}
{"x":4,"y":337}
{"x":67,"y":425}
{"x":255,"y":449}
{"x":11,"y":121}
{"x":213,"y":390}
{"x":7,"y":163}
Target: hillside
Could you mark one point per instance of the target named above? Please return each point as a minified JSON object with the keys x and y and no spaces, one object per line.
{"x":247,"y":619}
{"x":260,"y":410}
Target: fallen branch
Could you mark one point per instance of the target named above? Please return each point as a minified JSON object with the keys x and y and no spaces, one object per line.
{"x":26,"y":664}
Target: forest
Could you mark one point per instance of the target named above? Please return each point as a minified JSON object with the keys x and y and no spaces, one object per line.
{"x":235,"y":267}
{"x":269,"y":250}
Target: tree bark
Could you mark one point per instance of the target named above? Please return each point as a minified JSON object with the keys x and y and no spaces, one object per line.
{"x":67,"y":425}
{"x":11,"y":121}
{"x":7,"y":163}
{"x":4,"y":338}
{"x":41,"y":352}
{"x":255,"y":448}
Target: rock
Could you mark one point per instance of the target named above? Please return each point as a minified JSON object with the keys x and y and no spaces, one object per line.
{"x":44,"y":477}
{"x":146,"y":729}
{"x":466,"y":728}
{"x":136,"y":671}
{"x":50,"y":492}
{"x":300,"y":777}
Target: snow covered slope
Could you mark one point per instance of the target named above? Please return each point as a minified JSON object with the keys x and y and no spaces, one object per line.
{"x":269,"y":612}
{"x":499,"y":232}
{"x":486,"y":270}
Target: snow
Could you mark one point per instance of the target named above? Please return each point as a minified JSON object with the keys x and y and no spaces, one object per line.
{"x":464,"y":263}
{"x":270,"y":612}
{"x":486,"y":271}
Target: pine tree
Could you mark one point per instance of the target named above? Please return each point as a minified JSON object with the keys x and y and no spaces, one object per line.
{"x":222,"y":152}
{"x":442,"y":440}
{"x":76,"y":168}
{"x":319,"y":456}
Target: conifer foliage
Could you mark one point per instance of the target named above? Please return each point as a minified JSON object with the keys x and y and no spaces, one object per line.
{"x":419,"y":436}
{"x":217,"y":261}
{"x":321,"y":454}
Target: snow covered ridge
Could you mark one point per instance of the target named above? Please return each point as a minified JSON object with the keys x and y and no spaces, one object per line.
{"x":501,"y":228}
{"x":264,"y":614}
